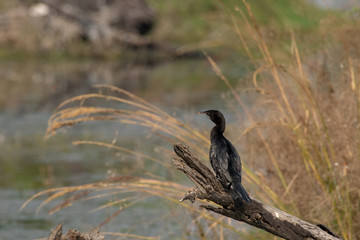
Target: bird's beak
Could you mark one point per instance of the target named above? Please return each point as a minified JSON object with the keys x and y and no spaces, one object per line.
{"x":201,"y":113}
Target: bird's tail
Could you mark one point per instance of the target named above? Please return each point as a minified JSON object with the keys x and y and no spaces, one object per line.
{"x":241,"y":191}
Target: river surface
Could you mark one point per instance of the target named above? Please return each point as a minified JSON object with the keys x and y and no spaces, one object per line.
{"x":28,"y":164}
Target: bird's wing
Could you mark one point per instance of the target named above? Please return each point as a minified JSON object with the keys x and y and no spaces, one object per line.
{"x":224,"y":165}
{"x":219,"y":159}
{"x":234,"y":156}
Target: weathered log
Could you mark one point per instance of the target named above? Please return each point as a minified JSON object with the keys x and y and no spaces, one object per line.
{"x":254,"y":213}
{"x":105,"y":24}
{"x":106,"y":21}
{"x":56,"y":234}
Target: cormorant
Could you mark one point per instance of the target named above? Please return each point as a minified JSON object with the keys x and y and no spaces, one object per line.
{"x":224,"y":157}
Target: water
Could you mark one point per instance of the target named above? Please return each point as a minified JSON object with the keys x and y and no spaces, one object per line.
{"x":336,"y":4}
{"x":29,"y":164}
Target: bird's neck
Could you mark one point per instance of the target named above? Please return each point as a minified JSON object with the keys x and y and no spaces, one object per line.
{"x":217,"y":131}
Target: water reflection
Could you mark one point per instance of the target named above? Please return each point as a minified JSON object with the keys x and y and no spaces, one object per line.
{"x":31,"y":91}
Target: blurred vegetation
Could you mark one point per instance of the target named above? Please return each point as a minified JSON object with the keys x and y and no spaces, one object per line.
{"x":190,"y":26}
{"x":203,"y":18}
{"x":203,"y":24}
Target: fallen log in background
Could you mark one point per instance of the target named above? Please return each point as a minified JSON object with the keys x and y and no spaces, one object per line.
{"x":254,"y":213}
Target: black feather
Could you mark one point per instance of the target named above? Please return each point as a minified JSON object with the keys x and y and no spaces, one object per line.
{"x":224,"y":158}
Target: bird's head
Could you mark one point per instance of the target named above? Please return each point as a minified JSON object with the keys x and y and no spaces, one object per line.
{"x":215,"y":116}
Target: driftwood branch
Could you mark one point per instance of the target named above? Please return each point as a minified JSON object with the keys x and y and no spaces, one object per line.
{"x":98,"y":28}
{"x":57,"y":234}
{"x":254,"y":213}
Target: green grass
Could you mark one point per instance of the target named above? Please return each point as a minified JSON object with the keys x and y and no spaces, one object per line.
{"x":203,"y":25}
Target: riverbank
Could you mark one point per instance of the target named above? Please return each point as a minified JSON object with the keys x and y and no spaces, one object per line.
{"x":179,"y":28}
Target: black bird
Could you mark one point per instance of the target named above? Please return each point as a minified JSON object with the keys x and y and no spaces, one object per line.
{"x":224,"y":157}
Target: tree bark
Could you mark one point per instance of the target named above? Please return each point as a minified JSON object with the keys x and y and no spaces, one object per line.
{"x":255,"y":213}
{"x":56,"y":234}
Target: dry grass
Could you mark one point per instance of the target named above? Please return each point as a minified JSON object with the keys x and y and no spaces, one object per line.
{"x":127,"y":108}
{"x":305,"y":131}
{"x":134,"y":110}
{"x":126,"y":192}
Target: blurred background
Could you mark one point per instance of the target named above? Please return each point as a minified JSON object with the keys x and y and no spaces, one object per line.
{"x":53,"y":50}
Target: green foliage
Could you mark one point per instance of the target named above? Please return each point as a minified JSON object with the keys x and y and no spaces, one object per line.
{"x":204,"y":21}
